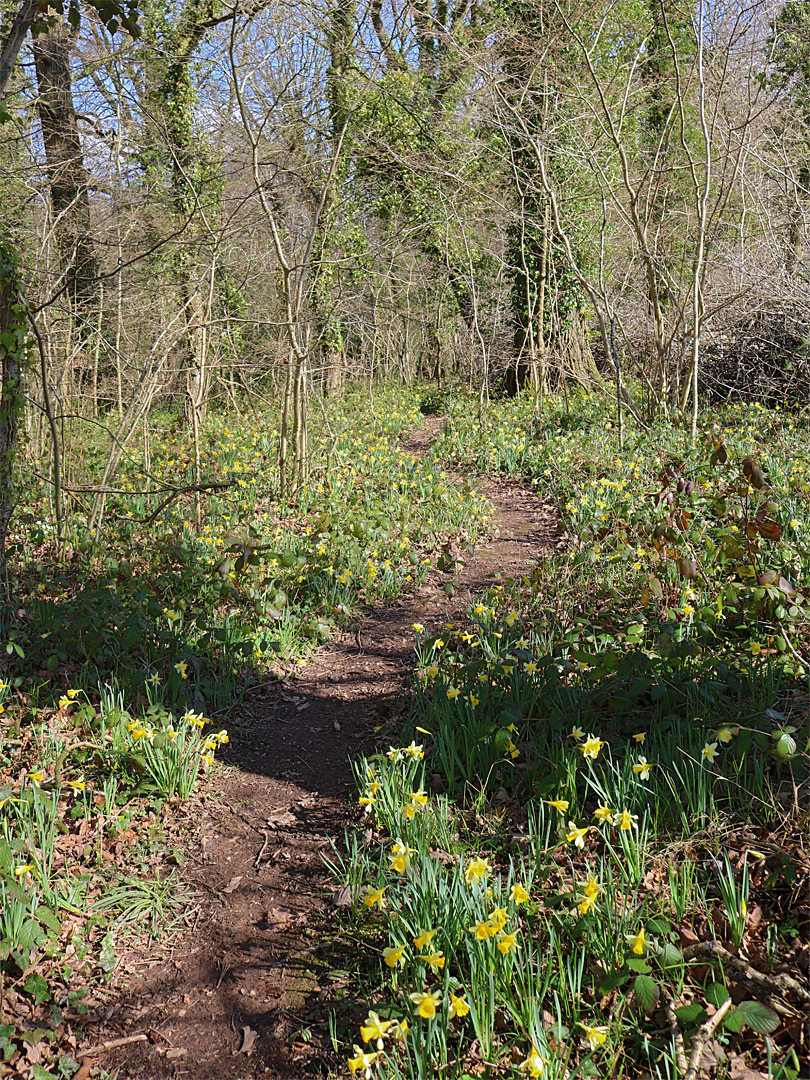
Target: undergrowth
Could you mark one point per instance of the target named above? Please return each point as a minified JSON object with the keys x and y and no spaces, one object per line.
{"x":586,"y":856}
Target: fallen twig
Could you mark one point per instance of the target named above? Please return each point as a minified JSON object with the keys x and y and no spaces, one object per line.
{"x":741,"y":971}
{"x":702,"y":1036}
{"x":112,"y":1044}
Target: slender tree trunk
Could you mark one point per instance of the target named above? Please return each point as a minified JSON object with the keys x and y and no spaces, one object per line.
{"x":67,"y":176}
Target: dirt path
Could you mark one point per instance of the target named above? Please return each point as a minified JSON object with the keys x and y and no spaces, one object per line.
{"x":234,"y":997}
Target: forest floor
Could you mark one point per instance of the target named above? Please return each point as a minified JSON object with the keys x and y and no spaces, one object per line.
{"x":238,"y":990}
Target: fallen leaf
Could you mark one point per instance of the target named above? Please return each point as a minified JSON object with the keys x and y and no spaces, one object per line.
{"x":343,"y":897}
{"x":249,"y":1037}
{"x":175,"y":1053}
{"x":232,"y":885}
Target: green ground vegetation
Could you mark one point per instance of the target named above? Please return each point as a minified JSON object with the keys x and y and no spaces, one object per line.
{"x":595,"y":815}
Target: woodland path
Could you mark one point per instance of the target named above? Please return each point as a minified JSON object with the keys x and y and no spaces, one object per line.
{"x":233,"y":996}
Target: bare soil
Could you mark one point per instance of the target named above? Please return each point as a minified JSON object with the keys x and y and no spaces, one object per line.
{"x":238,"y":991}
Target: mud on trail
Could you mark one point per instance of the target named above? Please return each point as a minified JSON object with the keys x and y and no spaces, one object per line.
{"x":234,"y":994}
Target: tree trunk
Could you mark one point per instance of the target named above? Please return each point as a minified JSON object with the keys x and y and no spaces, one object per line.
{"x":13,"y":336}
{"x":67,"y":176}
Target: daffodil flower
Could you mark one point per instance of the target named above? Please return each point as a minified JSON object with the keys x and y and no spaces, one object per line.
{"x":417,"y":626}
{"x":393,"y":955}
{"x":476,"y":869}
{"x":362,"y":1062}
{"x":459,"y":1007}
{"x":626,"y":821}
{"x":642,"y":768}
{"x":182,"y":669}
{"x":414,"y":751}
{"x":427,"y":1004}
{"x":577,"y":733}
{"x":560,"y":805}
{"x":518,"y":894}
{"x":484,"y":930}
{"x":724,"y":735}
{"x":642,"y":735}
{"x":424,"y":938}
{"x":591,"y":747}
{"x":595,"y":1034}
{"x":603,"y":814}
{"x":709,"y":752}
{"x":452,"y":693}
{"x":21,"y":871}
{"x":534,"y":1065}
{"x":375,"y":1029}
{"x":576,"y":835}
{"x":637,"y":942}
{"x":77,"y":785}
{"x":474,"y":700}
{"x":499,"y":917}
{"x":431,"y":671}
{"x":506,"y":942}
{"x":400,"y":1030}
{"x":374,"y":896}
{"x":435,"y":961}
{"x":394,"y":755}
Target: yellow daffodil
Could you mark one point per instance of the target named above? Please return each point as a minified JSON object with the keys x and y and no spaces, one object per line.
{"x":484,"y":930}
{"x":591,"y":747}
{"x":637,"y":942}
{"x":418,"y":798}
{"x":182,"y":669}
{"x":452,"y":693}
{"x":534,"y":1065}
{"x":709,"y":752}
{"x":530,"y":668}
{"x":362,"y":1062}
{"x":506,"y":942}
{"x":375,"y":1029}
{"x":427,"y":1004}
{"x":642,"y":768}
{"x":576,"y":835}
{"x":414,"y":751}
{"x":400,"y":1030}
{"x":432,"y":671}
{"x":577,"y":733}
{"x":399,"y":857}
{"x":417,"y":626}
{"x":424,"y":938}
{"x":458,"y":1006}
{"x":474,"y":700}
{"x":560,"y":805}
{"x":374,"y":896}
{"x":642,"y":735}
{"x":36,"y":777}
{"x":77,"y":785}
{"x":393,"y":955}
{"x":21,"y":871}
{"x":603,"y":814}
{"x":366,"y":801}
{"x":435,"y":961}
{"x":476,"y":869}
{"x":518,"y":894}
{"x":724,"y":735}
{"x":499,"y":917}
{"x":595,"y":1034}
{"x":626,"y":821}
{"x":64,"y":702}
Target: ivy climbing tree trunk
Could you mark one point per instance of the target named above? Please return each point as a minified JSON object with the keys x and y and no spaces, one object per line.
{"x":13,"y":344}
{"x":67,"y":176}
